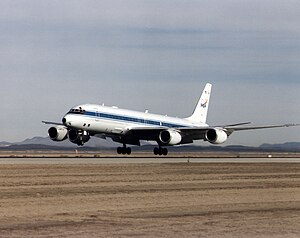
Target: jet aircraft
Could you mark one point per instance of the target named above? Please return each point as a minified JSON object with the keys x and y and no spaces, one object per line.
{"x":131,"y":127}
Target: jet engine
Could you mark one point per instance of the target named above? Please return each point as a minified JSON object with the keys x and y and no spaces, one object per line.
{"x":170,"y":137}
{"x":78,"y":137}
{"x":216,"y":136}
{"x":58,"y":133}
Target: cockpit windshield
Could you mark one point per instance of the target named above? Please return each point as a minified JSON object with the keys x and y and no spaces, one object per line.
{"x":77,"y":110}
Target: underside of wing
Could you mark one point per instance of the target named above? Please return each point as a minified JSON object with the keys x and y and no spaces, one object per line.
{"x":134,"y":136}
{"x":144,"y":133}
{"x":185,"y":135}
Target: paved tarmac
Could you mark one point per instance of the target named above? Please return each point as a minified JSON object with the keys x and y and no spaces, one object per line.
{"x":133,"y":160}
{"x":149,"y":197}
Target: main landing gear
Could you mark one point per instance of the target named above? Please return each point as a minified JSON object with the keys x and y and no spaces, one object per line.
{"x":124,"y":150}
{"x":157,"y":150}
{"x":160,"y":151}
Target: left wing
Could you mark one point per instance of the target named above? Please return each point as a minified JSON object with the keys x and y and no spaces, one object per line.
{"x":231,"y":129}
{"x":189,"y":134}
{"x":199,"y":133}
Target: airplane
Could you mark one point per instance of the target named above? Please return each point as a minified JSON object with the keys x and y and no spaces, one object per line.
{"x":131,"y":127}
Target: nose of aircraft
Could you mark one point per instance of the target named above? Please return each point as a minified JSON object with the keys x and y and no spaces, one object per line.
{"x":66,"y":120}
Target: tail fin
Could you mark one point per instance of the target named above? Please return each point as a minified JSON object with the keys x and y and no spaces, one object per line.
{"x":200,"y":112}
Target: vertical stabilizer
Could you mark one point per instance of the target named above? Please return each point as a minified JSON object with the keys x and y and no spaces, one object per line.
{"x":200,"y":113}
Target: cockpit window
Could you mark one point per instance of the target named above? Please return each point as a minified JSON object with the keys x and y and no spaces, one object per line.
{"x":77,"y":110}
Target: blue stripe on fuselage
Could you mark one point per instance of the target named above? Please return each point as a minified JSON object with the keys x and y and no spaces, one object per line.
{"x":126,"y":119}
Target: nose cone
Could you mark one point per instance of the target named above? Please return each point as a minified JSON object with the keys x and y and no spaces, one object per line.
{"x":67,"y":120}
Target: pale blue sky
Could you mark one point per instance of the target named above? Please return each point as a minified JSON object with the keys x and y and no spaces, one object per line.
{"x":151,"y":54}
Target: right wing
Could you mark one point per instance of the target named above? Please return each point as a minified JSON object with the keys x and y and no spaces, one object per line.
{"x":53,"y":123}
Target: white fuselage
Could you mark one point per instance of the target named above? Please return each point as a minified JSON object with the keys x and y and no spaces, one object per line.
{"x":103,"y":119}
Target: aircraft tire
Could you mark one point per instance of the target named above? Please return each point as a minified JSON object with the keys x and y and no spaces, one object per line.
{"x":156,"y":151}
{"x":128,"y":150}
{"x":119,"y":150}
{"x":124,"y":150}
{"x":160,"y":151}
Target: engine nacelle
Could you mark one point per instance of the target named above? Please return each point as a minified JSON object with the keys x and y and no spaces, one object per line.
{"x":58,"y":133}
{"x":170,"y":137}
{"x":216,"y":136}
{"x":78,"y":137}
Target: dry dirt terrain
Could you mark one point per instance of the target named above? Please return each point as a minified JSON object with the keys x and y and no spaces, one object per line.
{"x":150,"y":200}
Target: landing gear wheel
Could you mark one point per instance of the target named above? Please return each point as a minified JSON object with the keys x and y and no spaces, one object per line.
{"x":124,"y":150}
{"x":156,"y":151}
{"x":128,"y":150}
{"x":160,"y":151}
{"x":119,"y":150}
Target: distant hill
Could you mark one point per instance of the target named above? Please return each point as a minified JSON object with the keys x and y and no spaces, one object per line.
{"x":93,"y":142}
{"x":4,"y":144}
{"x":45,"y":143}
{"x":285,"y":146}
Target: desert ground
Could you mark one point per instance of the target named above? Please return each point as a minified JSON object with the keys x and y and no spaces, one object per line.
{"x":179,"y":199}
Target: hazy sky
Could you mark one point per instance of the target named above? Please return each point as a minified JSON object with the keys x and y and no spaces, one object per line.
{"x":151,"y":54}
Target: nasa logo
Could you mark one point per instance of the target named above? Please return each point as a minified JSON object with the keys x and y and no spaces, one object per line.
{"x":204,"y":104}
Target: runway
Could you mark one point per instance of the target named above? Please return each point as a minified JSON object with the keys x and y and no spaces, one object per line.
{"x":144,"y":160}
{"x":149,"y":197}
